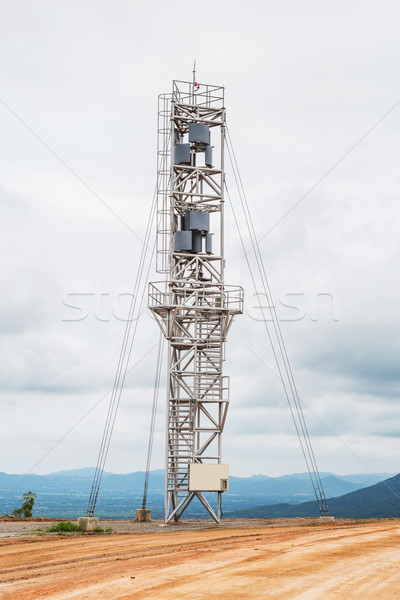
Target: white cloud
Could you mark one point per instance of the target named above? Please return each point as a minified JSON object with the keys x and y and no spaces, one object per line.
{"x":303,"y":84}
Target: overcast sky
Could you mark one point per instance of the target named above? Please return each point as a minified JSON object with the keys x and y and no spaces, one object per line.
{"x":306,"y":83}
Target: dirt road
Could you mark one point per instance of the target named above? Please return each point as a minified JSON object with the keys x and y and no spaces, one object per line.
{"x":342,"y":560}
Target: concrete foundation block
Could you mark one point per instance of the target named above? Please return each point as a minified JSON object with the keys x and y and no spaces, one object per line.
{"x":143,"y":515}
{"x":88,"y":523}
{"x":326,"y":519}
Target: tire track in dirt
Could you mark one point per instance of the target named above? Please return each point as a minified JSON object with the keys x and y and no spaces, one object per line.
{"x":302,"y":563}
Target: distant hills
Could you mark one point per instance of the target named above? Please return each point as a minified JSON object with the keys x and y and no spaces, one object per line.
{"x":66,"y":493}
{"x":381,"y":500}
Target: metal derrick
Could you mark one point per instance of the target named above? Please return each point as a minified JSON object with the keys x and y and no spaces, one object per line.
{"x":193,"y":306}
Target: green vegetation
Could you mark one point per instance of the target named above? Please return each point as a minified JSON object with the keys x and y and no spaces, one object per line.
{"x":68,"y":527}
{"x":28,"y":500}
{"x":63,"y":526}
{"x":101,"y":530}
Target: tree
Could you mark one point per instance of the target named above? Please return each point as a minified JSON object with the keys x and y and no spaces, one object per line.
{"x":28,"y":500}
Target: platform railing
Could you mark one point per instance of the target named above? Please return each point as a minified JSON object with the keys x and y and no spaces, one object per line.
{"x":215,"y":297}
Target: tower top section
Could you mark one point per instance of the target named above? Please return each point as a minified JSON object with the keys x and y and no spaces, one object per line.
{"x":198,"y":94}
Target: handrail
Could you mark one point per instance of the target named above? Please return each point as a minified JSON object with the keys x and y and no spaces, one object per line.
{"x":216,"y":296}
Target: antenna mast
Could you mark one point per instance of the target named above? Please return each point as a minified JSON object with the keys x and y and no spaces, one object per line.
{"x":193,"y":307}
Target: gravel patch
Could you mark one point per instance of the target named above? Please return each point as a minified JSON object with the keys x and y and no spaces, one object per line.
{"x":10,"y":528}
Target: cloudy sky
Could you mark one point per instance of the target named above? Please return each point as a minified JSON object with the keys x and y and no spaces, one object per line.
{"x":313,"y":107}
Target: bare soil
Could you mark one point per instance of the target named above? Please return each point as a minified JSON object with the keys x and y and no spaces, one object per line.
{"x":193,"y":560}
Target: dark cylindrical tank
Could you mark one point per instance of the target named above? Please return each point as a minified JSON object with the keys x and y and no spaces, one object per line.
{"x":208,"y":157}
{"x":183,"y":241}
{"x":199,"y":134}
{"x":182,"y":154}
{"x":197,"y":241}
{"x":197,"y":220}
{"x":209,"y":243}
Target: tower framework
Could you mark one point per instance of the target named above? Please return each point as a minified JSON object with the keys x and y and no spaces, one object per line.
{"x":193,"y":305}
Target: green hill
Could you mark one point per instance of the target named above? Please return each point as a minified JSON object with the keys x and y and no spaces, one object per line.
{"x":381,"y":500}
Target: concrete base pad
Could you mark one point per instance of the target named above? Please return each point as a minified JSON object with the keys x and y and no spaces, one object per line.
{"x":143,"y":515}
{"x":88,"y":523}
{"x":326,"y":519}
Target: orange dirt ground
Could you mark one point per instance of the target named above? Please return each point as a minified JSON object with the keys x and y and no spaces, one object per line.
{"x":341,"y":560}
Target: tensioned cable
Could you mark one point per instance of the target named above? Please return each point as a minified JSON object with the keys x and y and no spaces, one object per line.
{"x":341,"y":440}
{"x":126,"y":350}
{"x":304,"y":450}
{"x":269,"y":336}
{"x":153,"y":415}
{"x":115,"y":398}
{"x":307,"y":449}
{"x":279,"y":332}
{"x":289,"y":389}
{"x":66,"y":434}
{"x":123,"y":362}
{"x":164,"y":153}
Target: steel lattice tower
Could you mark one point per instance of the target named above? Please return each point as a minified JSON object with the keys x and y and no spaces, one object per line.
{"x":193,"y":306}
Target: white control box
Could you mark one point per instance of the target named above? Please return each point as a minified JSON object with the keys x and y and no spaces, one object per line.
{"x":208,"y":478}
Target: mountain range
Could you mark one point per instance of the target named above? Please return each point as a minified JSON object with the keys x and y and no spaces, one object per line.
{"x":66,"y":493}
